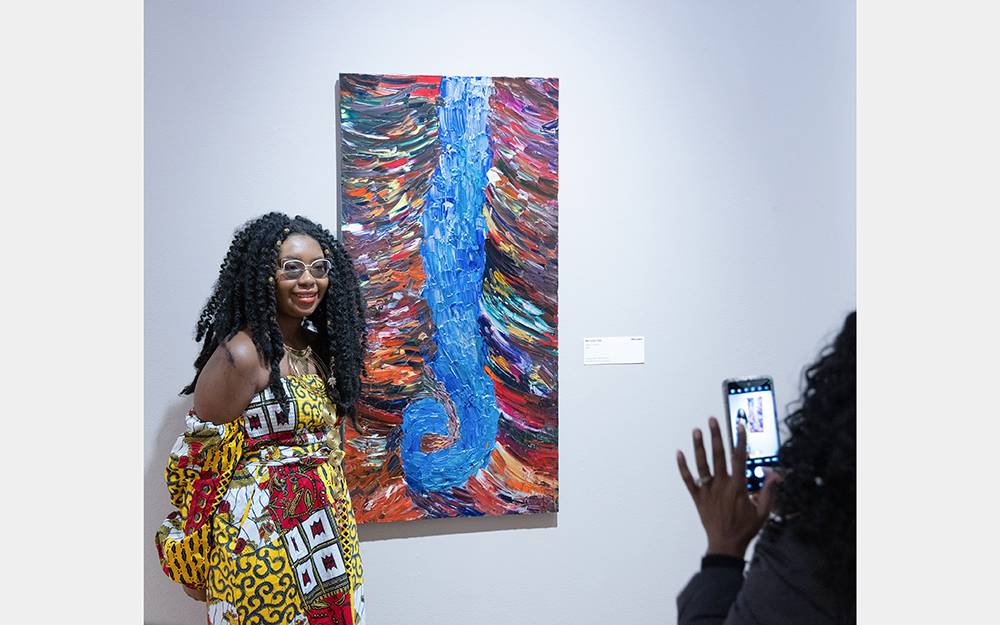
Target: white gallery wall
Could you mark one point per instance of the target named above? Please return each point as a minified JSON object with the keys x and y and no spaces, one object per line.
{"x":706,"y":202}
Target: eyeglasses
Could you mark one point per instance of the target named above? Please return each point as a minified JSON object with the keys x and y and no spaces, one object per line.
{"x":293,"y":269}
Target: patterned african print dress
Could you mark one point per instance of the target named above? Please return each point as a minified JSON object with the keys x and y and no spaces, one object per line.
{"x":284,"y":540}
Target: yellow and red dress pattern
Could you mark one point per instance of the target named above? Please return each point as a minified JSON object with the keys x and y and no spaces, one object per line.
{"x":285,"y":540}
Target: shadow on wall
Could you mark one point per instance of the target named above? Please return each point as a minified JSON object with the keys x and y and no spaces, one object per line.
{"x":458,"y":525}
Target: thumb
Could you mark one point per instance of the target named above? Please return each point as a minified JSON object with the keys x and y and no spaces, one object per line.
{"x":764,"y":498}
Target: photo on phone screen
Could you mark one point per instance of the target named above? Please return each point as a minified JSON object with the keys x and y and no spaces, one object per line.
{"x":750,"y":401}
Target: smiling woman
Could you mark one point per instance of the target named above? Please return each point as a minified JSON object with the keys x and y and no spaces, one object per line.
{"x":298,"y":291}
{"x":264,"y":529}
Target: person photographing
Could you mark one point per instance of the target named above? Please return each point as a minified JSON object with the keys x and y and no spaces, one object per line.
{"x":803,"y":568}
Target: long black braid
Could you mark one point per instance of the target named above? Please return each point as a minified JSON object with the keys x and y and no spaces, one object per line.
{"x":817,"y":499}
{"x":243,"y":298}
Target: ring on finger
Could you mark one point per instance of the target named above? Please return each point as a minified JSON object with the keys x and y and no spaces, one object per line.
{"x":703,"y":481}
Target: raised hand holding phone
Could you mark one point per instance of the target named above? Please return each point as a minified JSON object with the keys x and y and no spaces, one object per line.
{"x":731,"y":515}
{"x":750,"y":401}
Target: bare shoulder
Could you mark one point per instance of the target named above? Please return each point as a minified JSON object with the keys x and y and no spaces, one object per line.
{"x":229,"y":380}
{"x":241,"y":354}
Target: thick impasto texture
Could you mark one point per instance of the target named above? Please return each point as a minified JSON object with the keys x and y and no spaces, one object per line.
{"x":450,"y":210}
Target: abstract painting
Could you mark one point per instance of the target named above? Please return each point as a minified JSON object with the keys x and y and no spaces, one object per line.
{"x":449,"y":207}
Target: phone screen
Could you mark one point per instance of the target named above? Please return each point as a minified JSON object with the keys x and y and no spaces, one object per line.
{"x":750,"y":401}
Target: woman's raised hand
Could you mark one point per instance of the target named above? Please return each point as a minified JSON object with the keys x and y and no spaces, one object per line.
{"x":731,"y":515}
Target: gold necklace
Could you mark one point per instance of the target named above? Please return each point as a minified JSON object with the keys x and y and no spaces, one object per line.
{"x":299,"y":359}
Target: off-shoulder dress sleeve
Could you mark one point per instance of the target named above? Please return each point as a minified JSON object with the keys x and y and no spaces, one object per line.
{"x":197,"y":474}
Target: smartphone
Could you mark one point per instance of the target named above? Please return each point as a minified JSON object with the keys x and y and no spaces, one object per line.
{"x":750,"y":401}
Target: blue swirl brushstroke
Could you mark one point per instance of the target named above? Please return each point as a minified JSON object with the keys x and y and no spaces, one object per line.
{"x":453,"y":259}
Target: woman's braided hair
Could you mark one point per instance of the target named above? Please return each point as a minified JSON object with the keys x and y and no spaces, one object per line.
{"x":243,"y":299}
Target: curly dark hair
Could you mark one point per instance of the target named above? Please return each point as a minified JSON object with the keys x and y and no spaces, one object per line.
{"x":243,"y":298}
{"x":817,"y":499}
